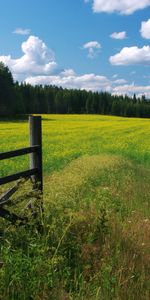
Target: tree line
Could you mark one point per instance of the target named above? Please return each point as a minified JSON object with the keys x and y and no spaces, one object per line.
{"x":24,"y":98}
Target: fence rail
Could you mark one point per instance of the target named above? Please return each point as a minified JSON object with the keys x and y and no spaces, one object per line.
{"x":35,"y":151}
{"x":17,"y":176}
{"x":19,"y":152}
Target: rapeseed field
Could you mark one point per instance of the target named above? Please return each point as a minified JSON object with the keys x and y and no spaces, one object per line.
{"x":66,"y":137}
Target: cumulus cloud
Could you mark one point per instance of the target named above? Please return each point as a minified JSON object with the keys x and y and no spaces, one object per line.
{"x":131,"y":56}
{"x":118,"y":35}
{"x":37,"y":65}
{"x":93,"y":48}
{"x":68,"y":72}
{"x":145,"y":29}
{"x":37,"y":59}
{"x":22,"y":31}
{"x":125,"y":7}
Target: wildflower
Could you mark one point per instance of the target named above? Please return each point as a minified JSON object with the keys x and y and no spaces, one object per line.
{"x":146,"y":220}
{"x":106,"y":188}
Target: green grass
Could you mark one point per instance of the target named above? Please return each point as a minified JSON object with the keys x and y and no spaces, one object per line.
{"x":95,"y":238}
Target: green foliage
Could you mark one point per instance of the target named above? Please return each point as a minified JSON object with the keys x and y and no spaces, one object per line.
{"x":6,"y":90}
{"x":26,"y":99}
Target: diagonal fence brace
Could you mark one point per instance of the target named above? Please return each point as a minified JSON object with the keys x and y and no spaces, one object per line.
{"x":13,"y":218}
{"x":5,"y":197}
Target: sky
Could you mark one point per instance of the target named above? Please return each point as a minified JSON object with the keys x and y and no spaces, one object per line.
{"x":98,"y":45}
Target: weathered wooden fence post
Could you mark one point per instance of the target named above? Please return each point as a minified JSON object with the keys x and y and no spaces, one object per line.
{"x":35,"y":127}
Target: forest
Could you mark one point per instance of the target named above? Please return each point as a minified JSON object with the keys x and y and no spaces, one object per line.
{"x":22,"y":98}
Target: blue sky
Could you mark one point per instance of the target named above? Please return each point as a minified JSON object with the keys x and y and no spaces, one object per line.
{"x":85,"y":44}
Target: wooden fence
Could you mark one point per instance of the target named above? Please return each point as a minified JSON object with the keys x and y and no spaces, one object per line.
{"x":35,"y":168}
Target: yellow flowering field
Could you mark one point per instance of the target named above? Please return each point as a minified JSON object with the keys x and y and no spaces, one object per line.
{"x":66,"y":137}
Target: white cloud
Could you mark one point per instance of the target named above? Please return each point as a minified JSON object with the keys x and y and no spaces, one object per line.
{"x":87,"y":81}
{"x":68,"y":72}
{"x":115,"y":76}
{"x":92,"y":44}
{"x":91,"y":82}
{"x":145,"y":29}
{"x":93,"y":48}
{"x":131,"y":56}
{"x":37,"y":59}
{"x":118,"y":35}
{"x":38,"y":66}
{"x":125,"y":7}
{"x":120,"y":81}
{"x":132,"y":89}
{"x":22,"y":31}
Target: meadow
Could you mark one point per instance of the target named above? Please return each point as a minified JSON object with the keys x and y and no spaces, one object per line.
{"x":67,"y":137}
{"x":95,"y":238}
